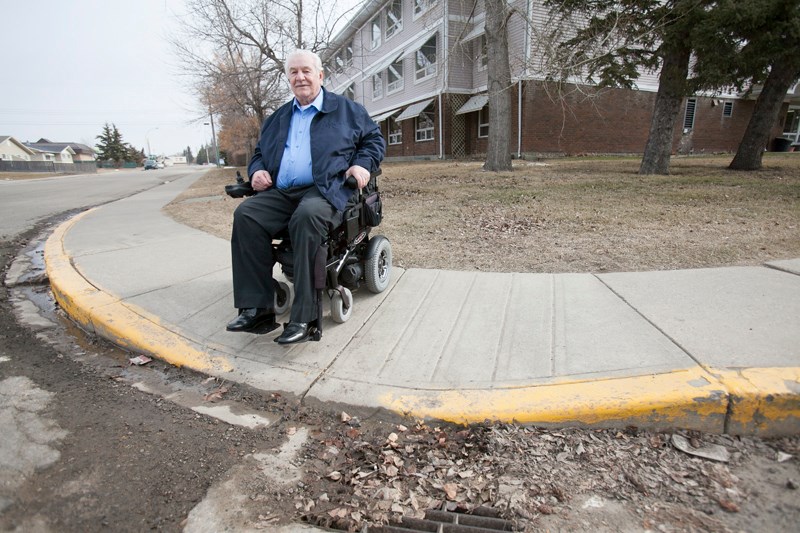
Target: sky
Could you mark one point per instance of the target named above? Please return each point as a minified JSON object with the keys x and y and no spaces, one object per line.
{"x":73,"y":66}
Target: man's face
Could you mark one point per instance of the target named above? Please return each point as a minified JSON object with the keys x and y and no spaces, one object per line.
{"x":304,"y":78}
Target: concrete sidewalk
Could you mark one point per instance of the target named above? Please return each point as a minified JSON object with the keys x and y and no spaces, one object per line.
{"x":711,"y":349}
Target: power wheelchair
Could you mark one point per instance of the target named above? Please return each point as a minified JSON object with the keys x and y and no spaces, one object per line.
{"x":348,"y":257}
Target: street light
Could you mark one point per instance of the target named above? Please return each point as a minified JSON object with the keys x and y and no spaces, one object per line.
{"x":147,"y":138}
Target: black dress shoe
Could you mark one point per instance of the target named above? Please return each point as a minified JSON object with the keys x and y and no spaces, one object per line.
{"x":294,"y":332}
{"x":253,"y":320}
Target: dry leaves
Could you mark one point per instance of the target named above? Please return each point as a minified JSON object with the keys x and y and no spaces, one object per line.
{"x":378,"y":477}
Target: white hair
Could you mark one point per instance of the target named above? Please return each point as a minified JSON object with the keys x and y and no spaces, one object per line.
{"x":308,"y":53}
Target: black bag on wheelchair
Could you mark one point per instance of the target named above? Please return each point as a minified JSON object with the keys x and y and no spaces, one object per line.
{"x":373,"y":209}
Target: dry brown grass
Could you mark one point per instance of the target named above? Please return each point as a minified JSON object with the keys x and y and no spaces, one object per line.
{"x":567,"y":215}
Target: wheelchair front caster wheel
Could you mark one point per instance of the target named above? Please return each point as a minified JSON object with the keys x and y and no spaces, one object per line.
{"x":283,"y":297}
{"x":340,"y":310}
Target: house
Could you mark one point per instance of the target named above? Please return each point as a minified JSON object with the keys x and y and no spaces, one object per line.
{"x":60,"y":153}
{"x":77,"y":152}
{"x":420,"y":69}
{"x":13,"y":150}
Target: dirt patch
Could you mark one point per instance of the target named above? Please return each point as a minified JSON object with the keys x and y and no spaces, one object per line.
{"x":567,"y":215}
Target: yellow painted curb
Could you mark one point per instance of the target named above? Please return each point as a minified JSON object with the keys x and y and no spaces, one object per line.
{"x":106,"y":315}
{"x":690,"y":398}
{"x":764,"y":401}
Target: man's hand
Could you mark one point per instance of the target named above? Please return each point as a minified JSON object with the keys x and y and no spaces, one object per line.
{"x":360,"y":173}
{"x":261,"y":180}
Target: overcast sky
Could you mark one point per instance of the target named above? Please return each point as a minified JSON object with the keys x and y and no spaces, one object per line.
{"x":72,"y":66}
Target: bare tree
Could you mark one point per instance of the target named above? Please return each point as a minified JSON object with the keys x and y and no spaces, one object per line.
{"x":233,"y":52}
{"x":498,"y":156}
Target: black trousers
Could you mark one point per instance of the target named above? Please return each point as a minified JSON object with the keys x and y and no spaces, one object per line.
{"x":309,"y":218}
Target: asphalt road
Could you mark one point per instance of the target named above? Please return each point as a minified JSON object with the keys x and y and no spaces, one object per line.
{"x":23,"y":203}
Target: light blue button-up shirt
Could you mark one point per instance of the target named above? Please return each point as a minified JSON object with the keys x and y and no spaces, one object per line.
{"x":295,"y":168}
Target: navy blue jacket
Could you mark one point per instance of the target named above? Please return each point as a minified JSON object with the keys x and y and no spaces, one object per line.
{"x":342,"y":135}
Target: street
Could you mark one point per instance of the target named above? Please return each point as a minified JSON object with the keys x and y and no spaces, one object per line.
{"x":91,"y":441}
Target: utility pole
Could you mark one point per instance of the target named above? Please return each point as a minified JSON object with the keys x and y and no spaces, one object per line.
{"x":214,"y":136}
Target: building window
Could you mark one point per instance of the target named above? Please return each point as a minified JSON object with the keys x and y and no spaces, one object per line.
{"x":350,"y":92}
{"x":394,"y":75}
{"x":688,"y":118}
{"x":426,"y":59}
{"x":344,"y":58}
{"x":376,"y":32}
{"x":791,"y":126}
{"x":395,"y":131}
{"x":483,"y":122}
{"x":394,"y":18}
{"x":421,"y":6}
{"x":727,"y":109}
{"x":425,"y":126}
{"x":482,"y":54}
{"x":377,"y":86}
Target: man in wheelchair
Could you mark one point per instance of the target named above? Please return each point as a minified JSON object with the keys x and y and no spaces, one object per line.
{"x":306,"y":151}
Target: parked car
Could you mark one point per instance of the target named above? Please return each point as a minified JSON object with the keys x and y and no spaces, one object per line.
{"x":150,"y":163}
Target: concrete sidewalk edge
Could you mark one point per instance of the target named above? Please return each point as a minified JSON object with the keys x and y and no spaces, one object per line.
{"x":762,"y":401}
{"x":105,"y":315}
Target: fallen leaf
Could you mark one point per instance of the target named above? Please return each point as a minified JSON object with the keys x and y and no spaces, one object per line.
{"x":709,"y":451}
{"x":783,"y":457}
{"x":335,"y":475}
{"x":339,"y":512}
{"x":450,"y":490}
{"x":216,"y":395}
{"x":728,"y":505}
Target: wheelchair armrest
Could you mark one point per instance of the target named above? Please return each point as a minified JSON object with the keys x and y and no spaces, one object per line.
{"x":351,"y":182}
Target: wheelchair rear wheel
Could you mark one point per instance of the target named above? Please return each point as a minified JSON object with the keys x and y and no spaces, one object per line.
{"x":378,"y":264}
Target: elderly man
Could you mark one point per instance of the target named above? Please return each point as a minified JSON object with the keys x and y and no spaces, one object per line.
{"x":307,"y":149}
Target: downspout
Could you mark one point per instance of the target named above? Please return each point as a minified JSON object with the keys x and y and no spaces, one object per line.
{"x":525,"y":75}
{"x":519,"y":119}
{"x":445,"y":60}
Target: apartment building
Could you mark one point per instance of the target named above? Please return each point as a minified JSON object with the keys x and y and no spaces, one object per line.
{"x":420,"y":69}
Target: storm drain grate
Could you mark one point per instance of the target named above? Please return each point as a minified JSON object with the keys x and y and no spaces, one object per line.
{"x":481,"y":520}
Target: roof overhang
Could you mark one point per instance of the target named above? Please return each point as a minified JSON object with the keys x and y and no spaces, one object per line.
{"x":476,"y":103}
{"x":384,"y":116}
{"x":414,"y":110}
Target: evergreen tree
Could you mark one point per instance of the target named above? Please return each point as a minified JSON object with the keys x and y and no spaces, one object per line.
{"x":110,"y":146}
{"x":202,"y":156}
{"x":188,"y":154}
{"x":134,"y":155}
{"x":745,"y":43}
{"x":619,"y":37}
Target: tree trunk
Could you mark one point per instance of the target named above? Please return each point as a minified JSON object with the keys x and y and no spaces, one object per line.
{"x":784,"y":72}
{"x":498,"y":156}
{"x":671,"y":90}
